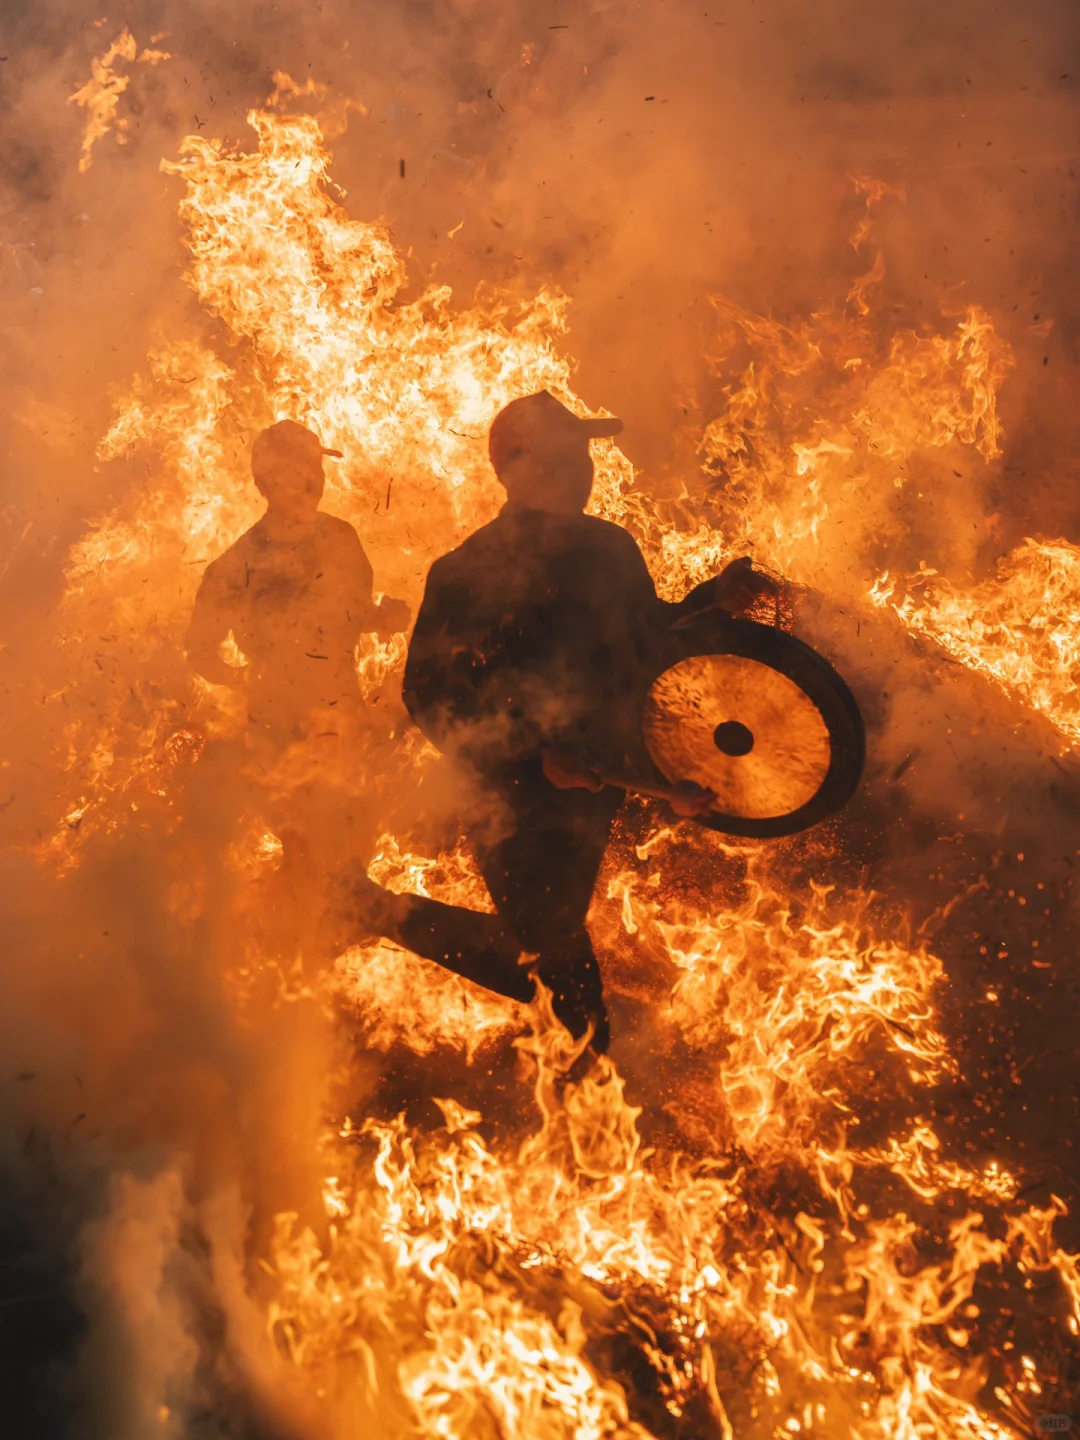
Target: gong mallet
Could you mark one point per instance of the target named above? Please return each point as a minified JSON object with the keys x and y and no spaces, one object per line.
{"x":688,"y":799}
{"x":676,"y":796}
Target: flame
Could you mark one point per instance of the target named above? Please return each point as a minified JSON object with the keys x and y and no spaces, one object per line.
{"x":831,"y":425}
{"x":790,"y":999}
{"x":482,"y":1285}
{"x":100,"y":95}
{"x":840,"y":442}
{"x":1020,"y":628}
{"x":406,"y":390}
{"x":772,"y":1265}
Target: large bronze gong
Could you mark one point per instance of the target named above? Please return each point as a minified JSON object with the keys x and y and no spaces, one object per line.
{"x":760,"y":720}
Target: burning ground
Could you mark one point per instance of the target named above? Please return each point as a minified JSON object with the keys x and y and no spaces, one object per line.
{"x":824,"y":1184}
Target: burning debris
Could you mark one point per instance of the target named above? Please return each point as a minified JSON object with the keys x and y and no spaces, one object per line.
{"x":758,"y":1215}
{"x":100,"y":96}
{"x":1017,"y":628}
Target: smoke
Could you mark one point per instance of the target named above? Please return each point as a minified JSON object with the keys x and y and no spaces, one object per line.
{"x":643,"y":158}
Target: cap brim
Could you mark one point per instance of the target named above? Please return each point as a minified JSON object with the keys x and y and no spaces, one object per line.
{"x":337,"y":454}
{"x":601,"y":427}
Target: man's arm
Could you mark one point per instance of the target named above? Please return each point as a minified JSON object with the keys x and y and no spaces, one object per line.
{"x":733,"y":591}
{"x":210,"y":625}
{"x":632,"y":581}
{"x":388,"y":617}
{"x":351,"y":575}
{"x":439,"y":687}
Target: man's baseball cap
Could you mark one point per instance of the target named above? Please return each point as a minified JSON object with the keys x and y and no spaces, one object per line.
{"x":288,"y":440}
{"x":540,"y":423}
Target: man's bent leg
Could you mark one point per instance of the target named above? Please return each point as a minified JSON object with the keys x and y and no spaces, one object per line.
{"x":468,"y":942}
{"x":472,"y":944}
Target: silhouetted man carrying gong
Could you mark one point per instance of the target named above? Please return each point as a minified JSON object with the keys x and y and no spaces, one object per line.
{"x":529,"y":664}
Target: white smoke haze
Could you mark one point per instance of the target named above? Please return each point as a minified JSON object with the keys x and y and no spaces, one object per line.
{"x":643,"y":159}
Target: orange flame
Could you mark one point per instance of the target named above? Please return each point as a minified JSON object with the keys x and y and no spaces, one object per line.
{"x":100,"y":96}
{"x":770,"y":1284}
{"x":1021,"y":628}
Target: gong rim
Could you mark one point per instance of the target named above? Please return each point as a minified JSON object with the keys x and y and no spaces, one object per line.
{"x":828,"y":692}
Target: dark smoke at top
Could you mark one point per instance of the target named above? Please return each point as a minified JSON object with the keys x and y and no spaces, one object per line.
{"x":641,"y":156}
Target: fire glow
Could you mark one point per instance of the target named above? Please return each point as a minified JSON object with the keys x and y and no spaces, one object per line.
{"x":766,"y":1271}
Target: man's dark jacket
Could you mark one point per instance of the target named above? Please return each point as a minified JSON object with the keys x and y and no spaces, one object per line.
{"x":539,"y":629}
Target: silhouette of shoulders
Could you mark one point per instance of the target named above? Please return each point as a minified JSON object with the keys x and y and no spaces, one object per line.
{"x":518,"y":535}
{"x":333,"y":543}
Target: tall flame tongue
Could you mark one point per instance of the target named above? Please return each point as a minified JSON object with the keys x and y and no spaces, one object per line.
{"x":783,"y":1262}
{"x":407,"y":390}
